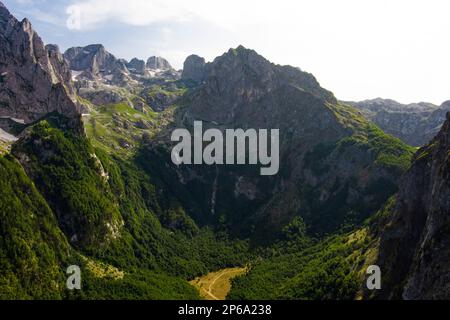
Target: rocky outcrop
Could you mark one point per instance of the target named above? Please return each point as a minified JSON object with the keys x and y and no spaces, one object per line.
{"x":415,"y":124}
{"x":415,"y":242}
{"x":136,"y":66}
{"x":158,"y":63}
{"x":97,"y":66}
{"x":159,"y":101}
{"x":34,"y":79}
{"x":94,"y":62}
{"x":103,"y":79}
{"x":102,"y":97}
{"x":60,"y":70}
{"x":93,"y":58}
{"x":194,"y":68}
{"x":241,"y":77}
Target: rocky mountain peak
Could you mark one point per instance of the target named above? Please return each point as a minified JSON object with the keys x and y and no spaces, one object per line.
{"x":446,"y":104}
{"x":100,"y":76}
{"x":5,"y":16}
{"x":26,"y":63}
{"x":95,"y":47}
{"x":241,"y":77}
{"x":93,"y":66}
{"x":236,"y":58}
{"x":194,"y":68}
{"x":136,"y":66}
{"x":93,"y":58}
{"x":158,"y":63}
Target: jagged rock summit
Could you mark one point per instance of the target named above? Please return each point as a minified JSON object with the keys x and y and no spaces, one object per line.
{"x":34,"y":78}
{"x":137,"y":66}
{"x":94,"y":65}
{"x":93,"y":58}
{"x":194,"y":68}
{"x":103,"y":79}
{"x":242,"y":77}
{"x":158,"y":63}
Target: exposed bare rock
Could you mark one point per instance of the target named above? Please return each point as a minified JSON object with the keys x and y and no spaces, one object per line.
{"x":159,"y":100}
{"x":34,"y":79}
{"x":94,"y":64}
{"x":102,"y":97}
{"x":103,"y":79}
{"x":194,"y":68}
{"x":93,"y":58}
{"x":60,"y":70}
{"x":416,"y":124}
{"x":158,"y":63}
{"x":140,"y":105}
{"x":242,"y":77}
{"x":136,"y":66}
{"x":415,"y":243}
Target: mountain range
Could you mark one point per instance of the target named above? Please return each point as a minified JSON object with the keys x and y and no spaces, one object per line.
{"x":416,"y":124}
{"x":87,"y":179}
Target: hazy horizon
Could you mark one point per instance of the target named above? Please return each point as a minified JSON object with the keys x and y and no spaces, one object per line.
{"x":376,"y":49}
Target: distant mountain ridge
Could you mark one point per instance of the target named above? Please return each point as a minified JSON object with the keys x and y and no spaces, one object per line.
{"x":103,"y":79}
{"x":416,"y":124}
{"x":94,"y":62}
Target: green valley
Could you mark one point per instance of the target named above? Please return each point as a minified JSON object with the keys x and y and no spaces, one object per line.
{"x":89,"y":183}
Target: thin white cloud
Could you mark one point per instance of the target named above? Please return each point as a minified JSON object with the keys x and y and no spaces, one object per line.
{"x":228,"y":14}
{"x":94,"y":13}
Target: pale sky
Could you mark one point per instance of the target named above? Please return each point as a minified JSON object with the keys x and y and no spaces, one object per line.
{"x":359,"y":49}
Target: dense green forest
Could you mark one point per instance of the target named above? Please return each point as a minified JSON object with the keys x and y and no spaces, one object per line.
{"x":71,"y":209}
{"x":83,"y":205}
{"x":89,"y":180}
{"x":301,"y":268}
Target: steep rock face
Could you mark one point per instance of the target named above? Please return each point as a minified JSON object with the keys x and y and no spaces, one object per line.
{"x":103,"y":79}
{"x":242,"y":77}
{"x":136,"y":66}
{"x":194,"y":68}
{"x":416,"y":124}
{"x":158,"y":63}
{"x":60,"y":69}
{"x":34,"y":79}
{"x":93,"y":58}
{"x":415,"y":243}
{"x":94,"y":62}
{"x":333,"y":164}
{"x":93,"y":65}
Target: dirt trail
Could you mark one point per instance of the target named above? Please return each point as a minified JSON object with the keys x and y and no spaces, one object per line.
{"x":217,"y":285}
